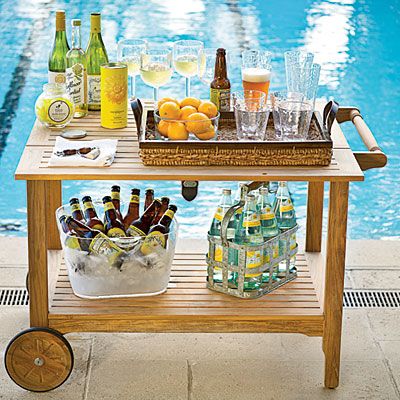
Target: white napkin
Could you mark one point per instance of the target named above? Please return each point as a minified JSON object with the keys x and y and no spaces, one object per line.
{"x":107,"y":147}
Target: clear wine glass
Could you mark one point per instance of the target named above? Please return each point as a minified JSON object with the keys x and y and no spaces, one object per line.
{"x":206,"y":65}
{"x":186,"y":59}
{"x":128,"y":52}
{"x":156,"y":67}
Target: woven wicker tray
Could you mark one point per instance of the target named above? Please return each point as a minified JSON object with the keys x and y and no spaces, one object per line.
{"x":226,"y":151}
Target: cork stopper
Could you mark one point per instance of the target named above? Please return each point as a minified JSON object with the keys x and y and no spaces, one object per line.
{"x":60,"y":20}
{"x":95,"y":23}
{"x":76,"y":22}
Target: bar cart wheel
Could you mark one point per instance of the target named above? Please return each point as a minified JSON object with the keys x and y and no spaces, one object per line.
{"x":39,"y":359}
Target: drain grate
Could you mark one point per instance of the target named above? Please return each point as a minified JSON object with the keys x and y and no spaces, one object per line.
{"x":371,"y":299}
{"x":351,"y":298}
{"x":14,"y":297}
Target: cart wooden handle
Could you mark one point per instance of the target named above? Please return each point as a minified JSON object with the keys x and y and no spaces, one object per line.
{"x":374,"y":157}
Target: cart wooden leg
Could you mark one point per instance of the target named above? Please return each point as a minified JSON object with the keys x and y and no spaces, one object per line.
{"x":334,"y":280}
{"x":37,"y":253}
{"x":315,"y":208}
{"x":53,"y":201}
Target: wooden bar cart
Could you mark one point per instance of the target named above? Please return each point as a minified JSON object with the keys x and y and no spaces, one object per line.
{"x":40,"y":358}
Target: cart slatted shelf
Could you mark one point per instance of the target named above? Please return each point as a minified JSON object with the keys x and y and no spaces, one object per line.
{"x":311,"y":304}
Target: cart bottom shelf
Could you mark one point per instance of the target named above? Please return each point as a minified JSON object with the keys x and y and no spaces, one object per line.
{"x":188,"y":306}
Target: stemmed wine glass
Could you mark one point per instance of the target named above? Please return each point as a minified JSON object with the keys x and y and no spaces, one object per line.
{"x":186,"y":59}
{"x":128,"y":52}
{"x":156,"y":67}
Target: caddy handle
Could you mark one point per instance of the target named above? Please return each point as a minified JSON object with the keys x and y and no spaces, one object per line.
{"x":374,"y":157}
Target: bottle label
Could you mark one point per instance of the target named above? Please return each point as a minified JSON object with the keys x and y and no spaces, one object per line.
{"x":72,"y":242}
{"x":59,"y":111}
{"x":266,"y":214}
{"x":56,"y":77}
{"x":75,"y":77}
{"x":221,"y":98}
{"x":219,"y":214}
{"x":87,"y":205}
{"x":285,"y":206}
{"x":275,"y":253}
{"x":133,"y":231}
{"x":75,"y":207}
{"x":292,"y":243}
{"x":109,"y":206}
{"x":115,"y":195}
{"x":153,"y":240}
{"x":253,"y":261}
{"x":251,"y":220}
{"x":218,"y":253}
{"x":134,"y":198}
{"x":102,"y":245}
{"x":169,"y":213}
{"x":94,"y":89}
{"x":115,"y":233}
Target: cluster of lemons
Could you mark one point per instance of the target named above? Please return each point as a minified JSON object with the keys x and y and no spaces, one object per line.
{"x":191,"y":115}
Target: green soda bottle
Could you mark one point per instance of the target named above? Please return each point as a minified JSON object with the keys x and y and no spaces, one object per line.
{"x":286,"y":218}
{"x":269,"y":227}
{"x":215,"y":230}
{"x":249,"y":232}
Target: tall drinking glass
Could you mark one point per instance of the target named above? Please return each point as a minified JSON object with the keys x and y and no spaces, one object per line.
{"x":186,"y":59}
{"x":156,"y":68}
{"x":206,"y":65}
{"x":256,"y":70}
{"x":128,"y":52}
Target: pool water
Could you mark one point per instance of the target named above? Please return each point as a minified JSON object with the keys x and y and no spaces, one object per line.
{"x":355,"y":41}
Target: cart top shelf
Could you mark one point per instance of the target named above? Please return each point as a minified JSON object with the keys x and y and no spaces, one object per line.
{"x":127,"y":165}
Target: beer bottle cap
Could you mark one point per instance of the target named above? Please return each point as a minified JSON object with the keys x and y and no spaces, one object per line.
{"x":173,"y":207}
{"x":263,"y":190}
{"x":149,"y":190}
{"x":221,"y":51}
{"x":164,"y":199}
{"x":76,"y":22}
{"x":86,"y":198}
{"x":62,"y":218}
{"x":135,"y":191}
{"x":157,"y":201}
{"x":250,"y":197}
{"x":74,"y":200}
{"x":73,"y":133}
{"x":106,"y":199}
{"x":226,"y":191}
{"x":115,"y":188}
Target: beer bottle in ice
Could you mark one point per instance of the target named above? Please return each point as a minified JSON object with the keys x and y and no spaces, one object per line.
{"x":269,"y":227}
{"x":249,"y":232}
{"x":116,"y":199}
{"x":161,"y":211}
{"x":71,"y":240}
{"x":92,"y":220}
{"x":148,"y":199}
{"x":76,"y":210}
{"x":113,"y":226}
{"x":133,"y":209}
{"x":220,"y":88}
{"x":158,"y":234}
{"x":215,"y":230}
{"x":141,"y":226}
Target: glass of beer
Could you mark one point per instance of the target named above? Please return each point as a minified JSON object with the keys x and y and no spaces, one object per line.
{"x":128,"y":52}
{"x":256,"y":70}
{"x":186,"y":59}
{"x":156,"y":67}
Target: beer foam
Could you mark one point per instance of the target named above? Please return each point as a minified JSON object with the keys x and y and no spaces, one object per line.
{"x":256,"y":75}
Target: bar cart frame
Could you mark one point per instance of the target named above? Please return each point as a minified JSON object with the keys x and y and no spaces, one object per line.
{"x":311,"y":304}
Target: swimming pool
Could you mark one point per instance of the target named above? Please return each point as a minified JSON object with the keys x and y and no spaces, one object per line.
{"x":355,"y":41}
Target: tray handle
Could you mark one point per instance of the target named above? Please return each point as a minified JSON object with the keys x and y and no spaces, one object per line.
{"x":374,"y":157}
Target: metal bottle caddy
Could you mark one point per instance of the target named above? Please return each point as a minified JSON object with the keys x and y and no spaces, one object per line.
{"x":287,"y":250}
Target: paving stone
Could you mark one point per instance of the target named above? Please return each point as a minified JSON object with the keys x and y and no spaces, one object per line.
{"x":13,"y":250}
{"x":73,"y":388}
{"x":357,"y":341}
{"x":123,"y":378}
{"x":297,"y":380}
{"x":385,"y":323}
{"x":13,"y":320}
{"x":391,"y":351}
{"x":372,"y":279}
{"x":13,"y":276}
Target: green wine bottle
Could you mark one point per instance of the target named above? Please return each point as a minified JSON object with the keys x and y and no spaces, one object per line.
{"x":57,"y":58}
{"x":96,"y":56}
{"x":76,"y":72}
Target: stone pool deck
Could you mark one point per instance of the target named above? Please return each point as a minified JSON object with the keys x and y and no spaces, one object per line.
{"x":227,"y":366}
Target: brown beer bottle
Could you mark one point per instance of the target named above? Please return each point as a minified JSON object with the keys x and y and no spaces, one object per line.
{"x":82,"y":231}
{"x":158,"y":234}
{"x":76,"y":211}
{"x":71,"y":239}
{"x":113,"y":226}
{"x":161,"y":211}
{"x":116,"y":199}
{"x":220,"y":88}
{"x":92,"y":220}
{"x":141,"y":226}
{"x":133,"y":210}
{"x":149,"y":197}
